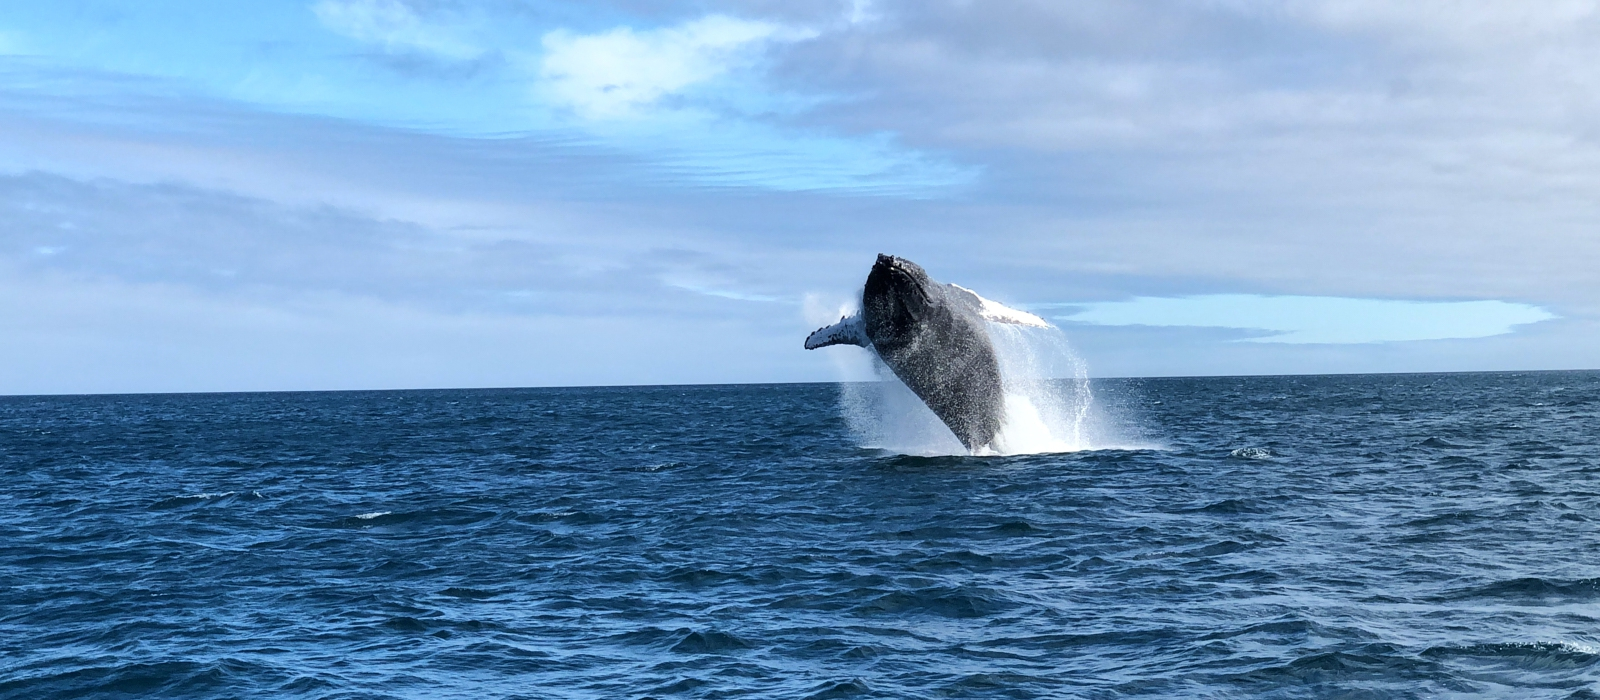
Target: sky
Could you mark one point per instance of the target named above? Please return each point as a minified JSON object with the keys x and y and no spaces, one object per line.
{"x":216,"y":195}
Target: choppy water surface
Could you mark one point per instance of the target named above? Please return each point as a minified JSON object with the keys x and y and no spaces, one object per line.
{"x":1365,"y":536}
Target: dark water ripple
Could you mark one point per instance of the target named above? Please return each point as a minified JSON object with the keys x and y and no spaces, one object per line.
{"x":1376,"y":536}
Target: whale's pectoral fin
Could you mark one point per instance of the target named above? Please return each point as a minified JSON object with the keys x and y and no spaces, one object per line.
{"x":994,"y":311}
{"x":848,"y":331}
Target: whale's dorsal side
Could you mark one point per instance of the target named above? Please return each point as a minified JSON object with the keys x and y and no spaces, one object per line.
{"x":848,"y":331}
{"x":995,"y":311}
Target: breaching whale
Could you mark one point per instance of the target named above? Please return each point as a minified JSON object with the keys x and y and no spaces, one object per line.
{"x":932,"y":337}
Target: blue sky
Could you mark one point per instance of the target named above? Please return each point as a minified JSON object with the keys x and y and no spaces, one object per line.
{"x":412,"y":193}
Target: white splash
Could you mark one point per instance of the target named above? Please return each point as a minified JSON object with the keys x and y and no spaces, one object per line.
{"x":1048,"y":397}
{"x":1048,"y":401}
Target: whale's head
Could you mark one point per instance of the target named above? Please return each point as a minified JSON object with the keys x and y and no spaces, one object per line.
{"x":897,"y":293}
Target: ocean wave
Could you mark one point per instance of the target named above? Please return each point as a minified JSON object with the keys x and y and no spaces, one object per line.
{"x":1564,"y":656}
{"x":708,"y":642}
{"x":1532,"y":588}
{"x":952,"y":602}
{"x":521,"y":554}
{"x":1231,"y":506}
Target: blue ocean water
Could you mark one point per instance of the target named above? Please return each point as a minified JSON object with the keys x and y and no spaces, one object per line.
{"x":1354,"y":536}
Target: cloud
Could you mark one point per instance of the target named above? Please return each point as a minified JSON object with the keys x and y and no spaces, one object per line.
{"x":860,"y":11}
{"x":1470,"y":25}
{"x":692,"y":97}
{"x":724,"y":293}
{"x":394,"y":25}
{"x":94,"y":336}
{"x":1357,"y":149}
{"x":618,"y":72}
{"x":456,"y":255}
{"x":693,"y":94}
{"x":113,"y":286}
{"x":1301,"y":319}
{"x":416,"y":156}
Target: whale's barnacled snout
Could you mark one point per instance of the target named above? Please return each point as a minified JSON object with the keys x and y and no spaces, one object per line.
{"x":900,"y":272}
{"x":886,"y":264}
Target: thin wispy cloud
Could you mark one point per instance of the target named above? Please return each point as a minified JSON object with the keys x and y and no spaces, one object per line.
{"x":726,"y":293}
{"x":621,"y":72}
{"x":395,"y":26}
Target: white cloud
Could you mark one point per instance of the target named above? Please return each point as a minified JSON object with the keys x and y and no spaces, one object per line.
{"x":692,"y":98}
{"x":394,"y":25}
{"x":734,"y":294}
{"x":1302,"y":319}
{"x":860,"y":11}
{"x":1470,"y":24}
{"x":615,"y":73}
{"x":620,"y":85}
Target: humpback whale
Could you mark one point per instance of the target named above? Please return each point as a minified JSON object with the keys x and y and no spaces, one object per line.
{"x":932,"y":337}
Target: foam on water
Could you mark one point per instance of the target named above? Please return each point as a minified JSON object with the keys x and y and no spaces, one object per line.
{"x":207,"y":496}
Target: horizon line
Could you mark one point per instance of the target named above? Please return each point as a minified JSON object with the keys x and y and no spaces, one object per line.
{"x":756,"y":384}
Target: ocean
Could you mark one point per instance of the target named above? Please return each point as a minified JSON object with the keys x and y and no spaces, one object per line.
{"x":1382,"y":536}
